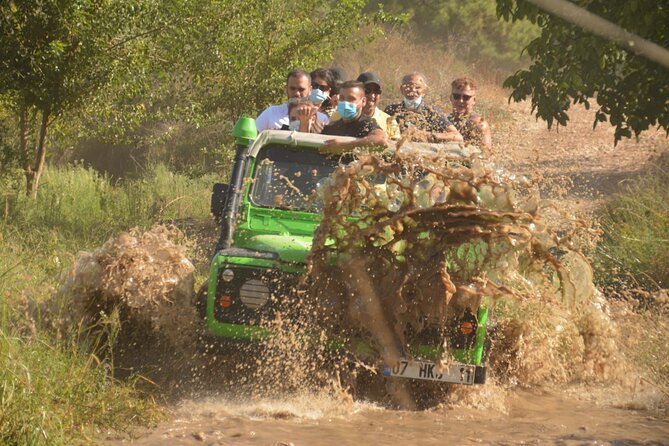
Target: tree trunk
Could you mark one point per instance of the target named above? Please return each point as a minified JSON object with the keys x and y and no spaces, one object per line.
{"x":32,"y":182}
{"x":24,"y":136}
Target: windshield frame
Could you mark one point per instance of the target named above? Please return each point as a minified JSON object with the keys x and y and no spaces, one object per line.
{"x":282,"y":153}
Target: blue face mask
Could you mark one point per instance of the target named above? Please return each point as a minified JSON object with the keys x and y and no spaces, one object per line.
{"x":413,"y":104}
{"x":347,"y":110}
{"x":317,"y":97}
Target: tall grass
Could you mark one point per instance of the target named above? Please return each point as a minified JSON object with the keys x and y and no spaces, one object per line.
{"x":53,"y":390}
{"x":80,"y":204}
{"x":55,"y":396}
{"x":632,"y":262}
{"x":634,"y":251}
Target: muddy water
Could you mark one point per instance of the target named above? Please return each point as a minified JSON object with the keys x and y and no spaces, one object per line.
{"x":569,"y":416}
{"x":558,"y":379}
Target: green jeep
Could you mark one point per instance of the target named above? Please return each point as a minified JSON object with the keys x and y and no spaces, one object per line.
{"x":268,"y":226}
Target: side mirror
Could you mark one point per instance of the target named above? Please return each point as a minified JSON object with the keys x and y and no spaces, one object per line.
{"x":219,"y":194}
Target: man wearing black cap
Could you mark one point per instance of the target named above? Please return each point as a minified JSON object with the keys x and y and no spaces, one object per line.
{"x":373,"y":92}
{"x":353,"y":123}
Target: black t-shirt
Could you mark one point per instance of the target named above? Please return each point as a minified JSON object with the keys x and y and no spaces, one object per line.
{"x":425,"y":117}
{"x":358,"y":128}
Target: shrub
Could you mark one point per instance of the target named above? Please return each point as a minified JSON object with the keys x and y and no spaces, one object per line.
{"x":634,"y":251}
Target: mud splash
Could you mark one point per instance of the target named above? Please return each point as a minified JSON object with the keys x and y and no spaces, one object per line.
{"x":425,"y":236}
{"x":133,"y":296}
{"x":488,"y":238}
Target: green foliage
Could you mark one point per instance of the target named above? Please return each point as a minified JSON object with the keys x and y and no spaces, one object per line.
{"x":54,"y":54}
{"x":51,"y":395}
{"x":9,"y":155}
{"x":216,"y":60}
{"x":471,"y":27}
{"x":79,"y":204}
{"x":570,"y":64}
{"x":239,"y":54}
{"x":146,"y":73}
{"x":634,"y":251}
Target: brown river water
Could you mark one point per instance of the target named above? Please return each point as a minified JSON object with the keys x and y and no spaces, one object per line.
{"x":567,"y":416}
{"x":561,"y":362}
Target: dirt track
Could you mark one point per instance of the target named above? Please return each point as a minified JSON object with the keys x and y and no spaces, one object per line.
{"x":585,"y":156}
{"x":573,"y":415}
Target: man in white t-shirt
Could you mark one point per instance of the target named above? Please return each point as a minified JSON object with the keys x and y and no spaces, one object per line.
{"x":298,"y":85}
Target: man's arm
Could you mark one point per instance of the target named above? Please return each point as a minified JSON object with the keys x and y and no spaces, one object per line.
{"x":443,"y":130}
{"x":376,"y":139}
{"x":307,"y":115}
{"x":450,"y":135}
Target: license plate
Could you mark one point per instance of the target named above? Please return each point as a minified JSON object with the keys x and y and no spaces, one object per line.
{"x":430,"y":371}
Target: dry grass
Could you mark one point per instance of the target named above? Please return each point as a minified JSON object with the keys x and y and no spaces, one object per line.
{"x":396,"y":53}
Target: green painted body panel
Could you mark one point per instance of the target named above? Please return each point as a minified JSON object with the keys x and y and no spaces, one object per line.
{"x":288,"y":234}
{"x":239,"y":332}
{"x":290,"y":248}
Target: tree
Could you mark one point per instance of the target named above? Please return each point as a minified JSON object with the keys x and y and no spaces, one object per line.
{"x":233,"y":56}
{"x":214,"y":61}
{"x":54,"y":56}
{"x":471,"y":27}
{"x":570,"y":65}
{"x":139,"y":71}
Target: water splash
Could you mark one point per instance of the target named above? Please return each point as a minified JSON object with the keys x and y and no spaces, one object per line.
{"x":550,"y":328}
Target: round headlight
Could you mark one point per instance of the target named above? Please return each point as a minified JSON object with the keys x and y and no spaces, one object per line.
{"x":227,"y":275}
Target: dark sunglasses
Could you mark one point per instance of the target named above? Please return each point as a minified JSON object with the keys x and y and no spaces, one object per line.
{"x":321,"y":87}
{"x":464,"y":97}
{"x":372,"y":90}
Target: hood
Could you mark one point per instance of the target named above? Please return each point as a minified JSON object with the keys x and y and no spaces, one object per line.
{"x":290,"y":248}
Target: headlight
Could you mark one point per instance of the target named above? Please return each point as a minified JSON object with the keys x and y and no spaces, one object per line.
{"x":254,"y":294}
{"x":227,"y":275}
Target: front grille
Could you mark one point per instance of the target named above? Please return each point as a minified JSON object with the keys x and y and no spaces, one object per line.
{"x":450,"y":333}
{"x":254,"y":294}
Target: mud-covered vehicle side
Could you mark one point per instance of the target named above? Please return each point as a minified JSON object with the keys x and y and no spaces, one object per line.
{"x":269,"y":213}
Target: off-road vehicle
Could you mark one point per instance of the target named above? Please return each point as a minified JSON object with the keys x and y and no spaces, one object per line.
{"x":268,"y":225}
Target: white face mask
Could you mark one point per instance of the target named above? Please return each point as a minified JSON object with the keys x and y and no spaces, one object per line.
{"x":294,"y":126}
{"x":413,"y":104}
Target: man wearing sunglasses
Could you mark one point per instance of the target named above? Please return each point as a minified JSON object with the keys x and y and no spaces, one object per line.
{"x":473,"y":128}
{"x":417,"y":119}
{"x":373,"y":91}
{"x":298,"y":86}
